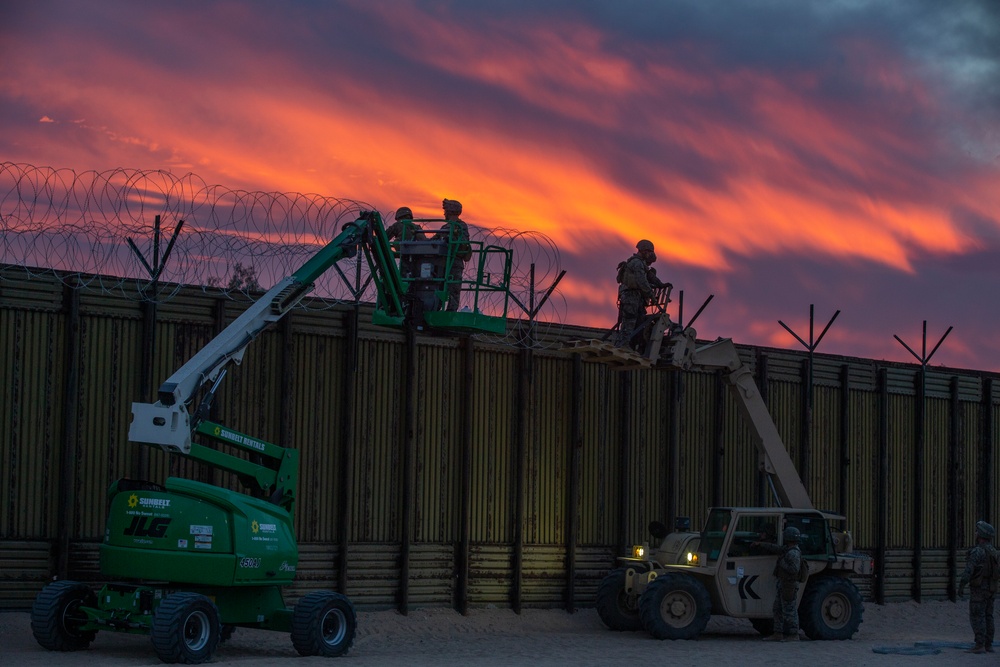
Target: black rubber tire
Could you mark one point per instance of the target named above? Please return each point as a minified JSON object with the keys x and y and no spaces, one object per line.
{"x":56,"y":617}
{"x":764,"y":626}
{"x":186,"y":629}
{"x":323,"y":623}
{"x":618,"y":609}
{"x":831,"y":608}
{"x":675,"y":606}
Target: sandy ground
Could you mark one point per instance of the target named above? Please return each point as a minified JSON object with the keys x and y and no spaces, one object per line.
{"x":545,"y":637}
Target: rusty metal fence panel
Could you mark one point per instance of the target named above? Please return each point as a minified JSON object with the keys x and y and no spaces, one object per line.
{"x":649,"y":442}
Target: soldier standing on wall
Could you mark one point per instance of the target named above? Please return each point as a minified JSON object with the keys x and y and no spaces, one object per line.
{"x":636,"y":280}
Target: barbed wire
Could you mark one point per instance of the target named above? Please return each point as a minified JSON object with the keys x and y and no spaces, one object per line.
{"x":146,"y":234}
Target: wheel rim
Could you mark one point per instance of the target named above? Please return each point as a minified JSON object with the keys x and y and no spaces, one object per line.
{"x":628,"y":604}
{"x":334,"y":627}
{"x":72,"y":618}
{"x":677,"y":609}
{"x":196,"y":630}
{"x":836,"y":611}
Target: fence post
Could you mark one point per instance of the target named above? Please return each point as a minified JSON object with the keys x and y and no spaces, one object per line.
{"x":465,"y":530}
{"x":347,"y":445}
{"x":573,"y":505}
{"x":882,"y":494}
{"x":719,"y":459}
{"x":985,"y":479}
{"x":845,"y":435}
{"x":67,"y":485}
{"x":956,"y":504}
{"x":762,"y":387}
{"x":408,"y":464}
{"x":624,"y":470}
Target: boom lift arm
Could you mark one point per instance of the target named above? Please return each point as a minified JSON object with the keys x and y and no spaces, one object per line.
{"x":169,"y":423}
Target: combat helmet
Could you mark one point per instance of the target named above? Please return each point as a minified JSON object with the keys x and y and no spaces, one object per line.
{"x":451,"y":206}
{"x":644,"y":245}
{"x":985,"y":530}
{"x":404,"y":212}
{"x":790,"y":534}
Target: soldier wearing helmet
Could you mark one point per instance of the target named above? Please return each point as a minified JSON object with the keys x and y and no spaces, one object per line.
{"x":456,"y":233}
{"x":636,"y":281}
{"x":788,"y":575}
{"x":981,"y":575}
{"x":404,"y":229}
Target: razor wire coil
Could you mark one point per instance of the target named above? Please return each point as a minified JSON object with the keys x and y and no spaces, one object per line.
{"x":91,"y":227}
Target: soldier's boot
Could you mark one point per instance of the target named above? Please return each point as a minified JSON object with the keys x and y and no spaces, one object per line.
{"x":978,"y":648}
{"x":989,"y":648}
{"x":776,"y":637}
{"x":791,"y":638}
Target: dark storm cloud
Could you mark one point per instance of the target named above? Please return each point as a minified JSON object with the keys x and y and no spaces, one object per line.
{"x":780,"y":153}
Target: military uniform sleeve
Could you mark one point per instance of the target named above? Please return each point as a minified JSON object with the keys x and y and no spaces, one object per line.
{"x":973,"y":565}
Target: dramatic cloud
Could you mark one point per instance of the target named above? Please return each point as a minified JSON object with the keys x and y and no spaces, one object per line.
{"x":780,"y":154}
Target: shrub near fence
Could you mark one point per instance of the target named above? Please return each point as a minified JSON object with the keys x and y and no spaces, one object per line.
{"x":525,"y":472}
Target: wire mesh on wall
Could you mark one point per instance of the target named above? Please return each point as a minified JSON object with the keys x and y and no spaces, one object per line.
{"x":148,"y":233}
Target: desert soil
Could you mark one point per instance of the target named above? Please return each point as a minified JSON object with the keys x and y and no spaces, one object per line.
{"x":439,"y":637}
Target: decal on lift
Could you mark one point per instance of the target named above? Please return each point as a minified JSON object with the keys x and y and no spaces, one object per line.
{"x":285,"y":567}
{"x":143,"y":526}
{"x":746,"y":587}
{"x":268,"y":528}
{"x":148,"y":503}
{"x":250,"y":563}
{"x":202,"y":536}
{"x":240,"y":439}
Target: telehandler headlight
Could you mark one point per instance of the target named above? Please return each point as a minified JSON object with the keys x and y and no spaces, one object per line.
{"x":692,"y":558}
{"x":639,"y":551}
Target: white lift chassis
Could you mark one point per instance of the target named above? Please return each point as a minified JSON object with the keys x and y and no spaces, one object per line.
{"x":672,"y":589}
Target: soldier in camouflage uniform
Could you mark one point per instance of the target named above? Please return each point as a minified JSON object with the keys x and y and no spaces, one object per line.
{"x":786,"y":572}
{"x":980,"y":576}
{"x":634,"y":292}
{"x":457,"y":232}
{"x":404,"y":229}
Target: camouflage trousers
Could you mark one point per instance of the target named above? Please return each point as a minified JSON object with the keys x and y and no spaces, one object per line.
{"x":786,"y":608}
{"x":981,"y":615}
{"x":455,"y":284}
{"x":630,"y":309}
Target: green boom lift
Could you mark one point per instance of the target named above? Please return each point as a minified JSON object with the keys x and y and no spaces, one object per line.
{"x":189,"y":561}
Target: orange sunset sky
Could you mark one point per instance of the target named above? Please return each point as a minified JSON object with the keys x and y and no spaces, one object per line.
{"x":779,"y":154}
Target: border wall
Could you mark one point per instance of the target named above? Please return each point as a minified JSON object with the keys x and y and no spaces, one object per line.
{"x":449,"y":472}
